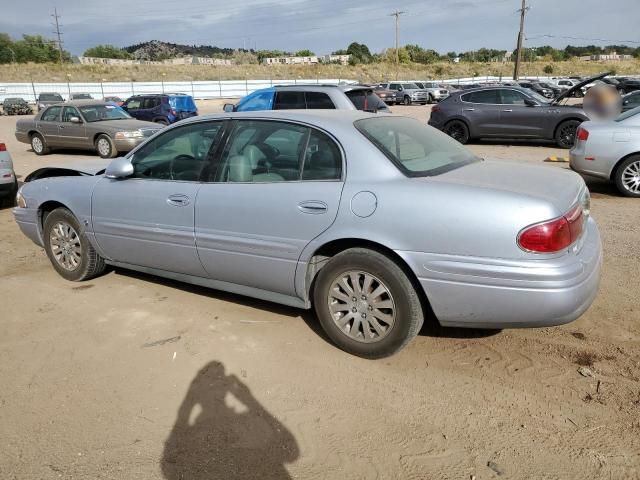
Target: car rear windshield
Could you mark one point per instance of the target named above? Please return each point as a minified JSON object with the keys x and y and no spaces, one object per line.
{"x":97,"y":113}
{"x":50,"y":97}
{"x":366,"y":100}
{"x":416,"y":149}
{"x":182,"y":103}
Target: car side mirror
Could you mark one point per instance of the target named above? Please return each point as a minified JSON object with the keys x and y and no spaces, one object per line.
{"x":75,"y":120}
{"x":400,"y":89}
{"x":119,"y":168}
{"x":625,"y":102}
{"x":229,"y":108}
{"x":530,"y":103}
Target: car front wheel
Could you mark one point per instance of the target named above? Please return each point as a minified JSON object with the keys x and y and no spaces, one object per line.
{"x":68,"y":249}
{"x":105,"y":147}
{"x":627,"y":177}
{"x":366,"y":303}
{"x":407,"y":100}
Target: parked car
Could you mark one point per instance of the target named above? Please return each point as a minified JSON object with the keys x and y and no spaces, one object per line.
{"x":162,"y":108}
{"x":45,"y":99}
{"x":536,"y":87}
{"x":8,"y":180}
{"x":80,"y":96}
{"x":303,"y":97}
{"x":555,"y":89}
{"x":408,"y":92}
{"x":86,"y":125}
{"x":569,"y":84}
{"x":436,"y":92}
{"x":16,"y":106}
{"x":390,"y":97}
{"x":610,"y":150}
{"x":114,"y":100}
{"x":630,"y":85}
{"x":630,"y":101}
{"x":373,"y":220}
{"x":508,"y":112}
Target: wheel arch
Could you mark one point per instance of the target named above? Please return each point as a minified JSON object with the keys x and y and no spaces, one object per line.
{"x":32,"y":132}
{"x":44,"y":209}
{"x":95,"y":137}
{"x":614,"y":170}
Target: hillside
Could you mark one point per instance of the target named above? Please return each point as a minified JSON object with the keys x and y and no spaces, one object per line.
{"x":157,"y":50}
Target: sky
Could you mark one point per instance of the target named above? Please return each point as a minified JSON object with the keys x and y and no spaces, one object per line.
{"x":328,"y":25}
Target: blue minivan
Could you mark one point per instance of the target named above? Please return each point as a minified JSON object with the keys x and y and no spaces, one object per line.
{"x":161,"y":108}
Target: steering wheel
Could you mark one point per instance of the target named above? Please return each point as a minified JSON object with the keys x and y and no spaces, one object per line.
{"x":182,"y":156}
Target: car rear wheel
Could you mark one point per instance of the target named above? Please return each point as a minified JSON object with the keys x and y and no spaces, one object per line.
{"x":38,"y":145}
{"x":431,"y":99}
{"x":406,"y":100}
{"x":627,"y":177}
{"x":366,"y":303}
{"x":566,"y":133}
{"x":161,"y":121}
{"x":105,"y":147}
{"x":457,"y":130}
{"x":68,"y":249}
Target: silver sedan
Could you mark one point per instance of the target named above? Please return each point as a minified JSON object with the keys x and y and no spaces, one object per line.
{"x":373,"y":220}
{"x":610,"y":150}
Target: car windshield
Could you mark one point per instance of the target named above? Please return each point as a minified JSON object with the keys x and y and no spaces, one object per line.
{"x":410,"y":86}
{"x":537,"y":97}
{"x":50,"y":97}
{"x":628,"y":114}
{"x":366,"y":100}
{"x":416,"y":149}
{"x":14,"y":101}
{"x":98,"y":113}
{"x":81,"y":96}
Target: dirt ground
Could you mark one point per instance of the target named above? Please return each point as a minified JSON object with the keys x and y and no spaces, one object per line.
{"x":128,"y":376}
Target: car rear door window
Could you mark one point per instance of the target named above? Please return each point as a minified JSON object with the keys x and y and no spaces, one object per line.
{"x":322,"y":158}
{"x":482,"y":96}
{"x":318,"y":100}
{"x":51,"y":114}
{"x":512,"y":97}
{"x":290,"y":101}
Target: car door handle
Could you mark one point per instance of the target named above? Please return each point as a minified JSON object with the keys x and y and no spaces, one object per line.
{"x":178,"y":200}
{"x":60,"y":127}
{"x":508,"y":110}
{"x":468,"y":109}
{"x":313,"y":207}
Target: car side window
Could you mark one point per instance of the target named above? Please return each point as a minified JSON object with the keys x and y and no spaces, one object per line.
{"x":482,"y":96}
{"x":319,"y":100}
{"x":51,"y":114}
{"x":134,"y":103}
{"x":289,"y":101}
{"x":260,"y":151}
{"x":322,"y":158}
{"x":394,"y":86}
{"x":512,"y":97}
{"x":150,"y":102}
{"x":69,"y":112}
{"x":179,"y":154}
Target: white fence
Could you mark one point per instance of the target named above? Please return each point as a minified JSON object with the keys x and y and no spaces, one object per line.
{"x":199,"y":90}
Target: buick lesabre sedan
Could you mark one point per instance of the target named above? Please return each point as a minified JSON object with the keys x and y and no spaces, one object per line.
{"x":85,"y":125}
{"x":373,"y":220}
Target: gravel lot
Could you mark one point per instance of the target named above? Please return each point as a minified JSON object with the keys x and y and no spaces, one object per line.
{"x":127,"y":375}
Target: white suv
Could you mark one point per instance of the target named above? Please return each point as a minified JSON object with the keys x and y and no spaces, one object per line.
{"x":8,"y":180}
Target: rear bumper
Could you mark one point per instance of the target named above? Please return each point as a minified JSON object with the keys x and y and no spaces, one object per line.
{"x":495,"y":293}
{"x":23,"y":137}
{"x":596,"y":168}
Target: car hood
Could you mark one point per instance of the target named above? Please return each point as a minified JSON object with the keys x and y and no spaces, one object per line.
{"x":125,"y":124}
{"x":561,"y":187}
{"x":92,"y":166}
{"x":579,"y":85}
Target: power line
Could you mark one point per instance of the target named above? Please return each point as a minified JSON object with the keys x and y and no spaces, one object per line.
{"x":583,"y":38}
{"x":57,"y":32}
{"x":523,"y":12}
{"x":397,"y":14}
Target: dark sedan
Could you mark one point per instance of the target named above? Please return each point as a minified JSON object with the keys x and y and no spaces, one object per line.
{"x":509,"y":112}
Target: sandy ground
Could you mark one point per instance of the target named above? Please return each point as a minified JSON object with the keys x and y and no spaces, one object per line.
{"x":127,"y":376}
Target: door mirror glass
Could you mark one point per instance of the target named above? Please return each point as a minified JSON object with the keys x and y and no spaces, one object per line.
{"x":229,"y":107}
{"x":75,"y":120}
{"x":530,"y":103}
{"x":119,"y":168}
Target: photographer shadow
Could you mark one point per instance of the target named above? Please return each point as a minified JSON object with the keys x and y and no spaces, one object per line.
{"x":222,"y":432}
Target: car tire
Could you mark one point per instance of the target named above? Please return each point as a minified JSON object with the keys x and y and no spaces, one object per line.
{"x":431,"y":100}
{"x":457,"y":130}
{"x":10,"y":200}
{"x":161,"y":121}
{"x":38,"y":144}
{"x":68,"y":248}
{"x":398,"y":318}
{"x":105,"y":147}
{"x":406,"y":100}
{"x":566,"y":133}
{"x":627,"y":177}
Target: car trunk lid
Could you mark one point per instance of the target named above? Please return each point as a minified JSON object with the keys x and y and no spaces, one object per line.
{"x":577,"y":86}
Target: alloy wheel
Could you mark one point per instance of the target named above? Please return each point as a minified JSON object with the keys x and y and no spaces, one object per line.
{"x":104,"y":148}
{"x":361,"y":306}
{"x":631,"y":177}
{"x":568,"y":134}
{"x":36,"y":144}
{"x":65,"y":246}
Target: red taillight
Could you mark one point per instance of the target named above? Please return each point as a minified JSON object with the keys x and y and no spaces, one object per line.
{"x":582,"y":134}
{"x":554,"y":235}
{"x":3,"y":147}
{"x":435,"y":108}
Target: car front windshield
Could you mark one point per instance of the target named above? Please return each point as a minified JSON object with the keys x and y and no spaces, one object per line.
{"x":537,"y":97}
{"x":410,"y":86}
{"x":416,"y":149}
{"x":98,"y":113}
{"x":45,"y":97}
{"x":82,"y":96}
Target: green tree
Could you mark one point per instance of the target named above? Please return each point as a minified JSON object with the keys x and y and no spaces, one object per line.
{"x":304,"y":53}
{"x":106,"y":51}
{"x":37,"y":49}
{"x":359,"y":52}
{"x":548,"y":69}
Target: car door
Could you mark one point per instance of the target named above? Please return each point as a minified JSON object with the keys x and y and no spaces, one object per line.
{"x":519,"y":119}
{"x":70,"y":134}
{"x":48,"y":124}
{"x":148,"y":219}
{"x":481,"y":109}
{"x":134,"y":107}
{"x":276,"y":187}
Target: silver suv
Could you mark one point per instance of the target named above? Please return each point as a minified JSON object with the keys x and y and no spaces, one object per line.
{"x":409,"y":92}
{"x":436,"y":93}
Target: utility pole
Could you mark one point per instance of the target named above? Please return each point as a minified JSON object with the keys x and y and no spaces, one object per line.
{"x":57,"y":32}
{"x":523,"y":12}
{"x":397,"y":14}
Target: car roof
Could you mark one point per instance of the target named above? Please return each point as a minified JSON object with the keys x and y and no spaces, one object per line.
{"x":320,"y":87}
{"x":492,"y":87}
{"x":84,"y":103}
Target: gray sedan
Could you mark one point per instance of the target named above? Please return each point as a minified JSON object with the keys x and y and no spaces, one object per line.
{"x":373,"y":220}
{"x":611,"y":150}
{"x":86,"y":125}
